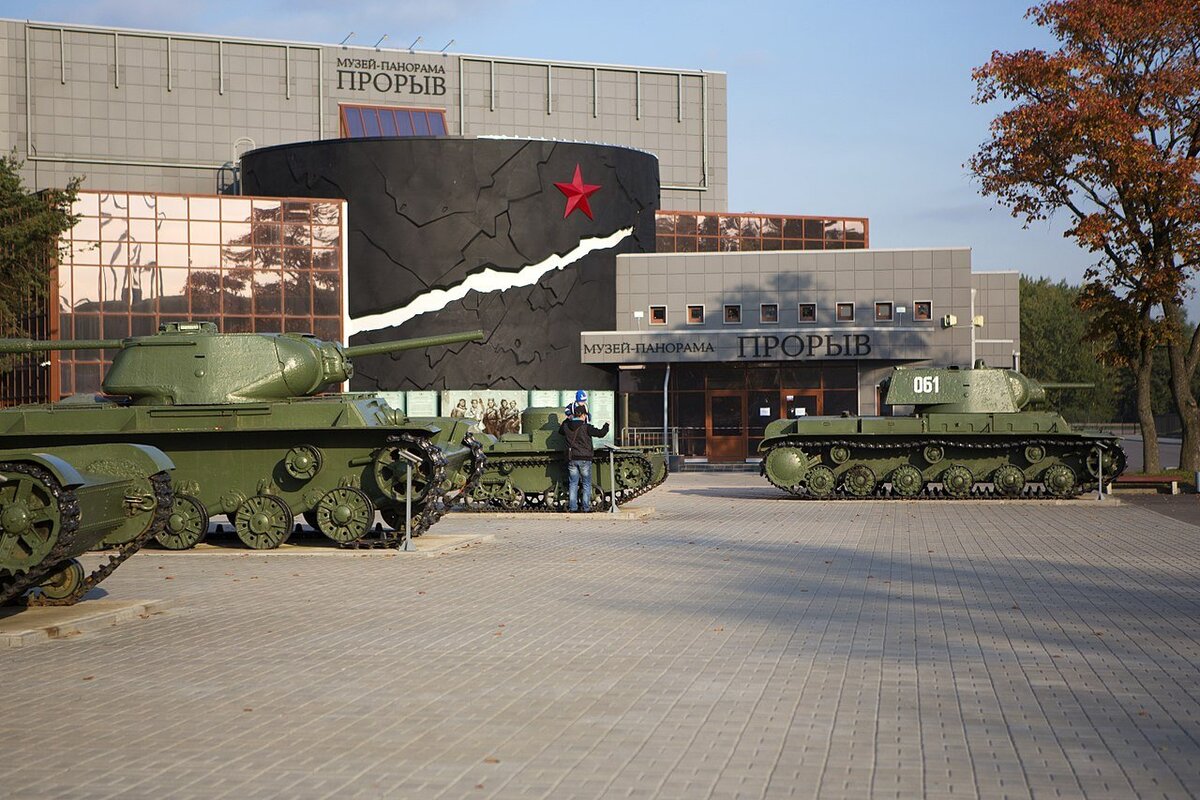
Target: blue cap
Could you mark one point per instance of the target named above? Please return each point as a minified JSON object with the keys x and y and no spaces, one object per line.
{"x":581,"y":396}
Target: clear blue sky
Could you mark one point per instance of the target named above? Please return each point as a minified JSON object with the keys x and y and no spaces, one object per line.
{"x":862,"y":109}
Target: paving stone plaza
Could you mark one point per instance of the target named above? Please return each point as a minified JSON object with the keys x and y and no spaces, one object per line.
{"x":736,"y":644}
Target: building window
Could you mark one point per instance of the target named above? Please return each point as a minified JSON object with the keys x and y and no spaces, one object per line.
{"x":808,"y":312}
{"x":922,"y":311}
{"x":695,"y":315}
{"x":845,"y":312}
{"x":768,"y":313}
{"x":733,"y":315}
{"x":658,"y":315}
{"x":363,"y":121}
{"x":883,"y":312}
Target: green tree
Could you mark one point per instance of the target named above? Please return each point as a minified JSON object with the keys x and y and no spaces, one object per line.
{"x":1107,"y":130}
{"x":1054,"y":348}
{"x":31,"y":224}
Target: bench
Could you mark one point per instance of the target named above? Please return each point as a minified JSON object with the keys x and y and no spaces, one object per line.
{"x":1163,"y":484}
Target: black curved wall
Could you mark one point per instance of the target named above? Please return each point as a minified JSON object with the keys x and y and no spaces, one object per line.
{"x":424,"y":214}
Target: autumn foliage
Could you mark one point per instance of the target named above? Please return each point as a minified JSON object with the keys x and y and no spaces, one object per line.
{"x":1107,"y":130}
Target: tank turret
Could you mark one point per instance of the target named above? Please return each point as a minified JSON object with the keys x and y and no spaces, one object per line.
{"x":980,"y":390}
{"x":191,"y":363}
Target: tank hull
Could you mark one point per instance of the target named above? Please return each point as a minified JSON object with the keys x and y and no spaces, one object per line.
{"x":263,"y":464}
{"x":954,"y":456}
{"x":56,"y":503}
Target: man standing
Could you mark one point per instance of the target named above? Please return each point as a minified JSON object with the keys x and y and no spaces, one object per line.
{"x":578,"y":433}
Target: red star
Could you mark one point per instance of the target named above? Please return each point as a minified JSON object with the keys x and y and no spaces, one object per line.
{"x":577,"y":193}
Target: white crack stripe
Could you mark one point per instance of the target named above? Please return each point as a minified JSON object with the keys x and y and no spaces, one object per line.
{"x":488,"y":280}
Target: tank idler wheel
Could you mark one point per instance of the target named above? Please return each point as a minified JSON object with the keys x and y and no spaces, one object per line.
{"x":344,"y":514}
{"x":820,"y":481}
{"x":1034,"y":453}
{"x":907,"y":481}
{"x":957,"y":481}
{"x":186,"y":526}
{"x":1009,"y":480}
{"x":933,"y":453}
{"x":859,"y":481}
{"x":263,"y":522}
{"x":389,"y":469}
{"x":839,"y":454}
{"x":29,"y":519}
{"x":1060,"y":481}
{"x":66,"y":581}
{"x":786,"y":466}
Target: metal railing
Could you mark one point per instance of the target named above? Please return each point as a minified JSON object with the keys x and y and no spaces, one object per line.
{"x":652,"y":437}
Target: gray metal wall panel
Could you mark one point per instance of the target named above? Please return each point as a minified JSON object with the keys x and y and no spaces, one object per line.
{"x":117,"y":101}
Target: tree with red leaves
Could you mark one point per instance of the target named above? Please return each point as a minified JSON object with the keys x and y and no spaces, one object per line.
{"x":1107,"y":129}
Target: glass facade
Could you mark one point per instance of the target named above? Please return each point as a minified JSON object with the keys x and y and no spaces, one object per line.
{"x":250,"y":264}
{"x":362,"y":121}
{"x":696,"y":232}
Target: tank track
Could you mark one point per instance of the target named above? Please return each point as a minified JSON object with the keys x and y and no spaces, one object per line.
{"x":535,"y":503}
{"x":11,"y":592}
{"x":431,"y":508}
{"x":1031,"y":491}
{"x":478,"y":463}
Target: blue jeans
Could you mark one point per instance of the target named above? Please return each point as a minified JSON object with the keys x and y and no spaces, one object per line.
{"x":576,"y":470}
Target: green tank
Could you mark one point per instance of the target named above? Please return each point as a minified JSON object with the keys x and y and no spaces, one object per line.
{"x":252,"y":436}
{"x":974,"y":433}
{"x":528,"y":470}
{"x":56,"y":503}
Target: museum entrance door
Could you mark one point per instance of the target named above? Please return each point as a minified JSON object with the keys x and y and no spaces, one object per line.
{"x":725,"y":425}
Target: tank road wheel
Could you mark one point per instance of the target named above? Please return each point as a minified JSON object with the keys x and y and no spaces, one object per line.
{"x":1034,"y":453}
{"x":344,"y":514}
{"x":599,"y":499}
{"x":1060,"y":481}
{"x":907,"y":481}
{"x":1009,"y":480}
{"x":263,"y":522}
{"x":508,"y":496}
{"x":66,"y":581}
{"x":933,"y":453}
{"x":839,"y":454}
{"x":394,"y":519}
{"x":186,"y":526}
{"x":30,"y":521}
{"x":820,"y":481}
{"x":859,"y":480}
{"x":957,"y":481}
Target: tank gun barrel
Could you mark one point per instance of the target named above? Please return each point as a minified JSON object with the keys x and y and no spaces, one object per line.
{"x":1046,"y":385}
{"x":40,"y":346}
{"x":380,"y":348}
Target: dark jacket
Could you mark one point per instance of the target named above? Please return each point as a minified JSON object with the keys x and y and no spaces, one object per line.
{"x":578,"y":434}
